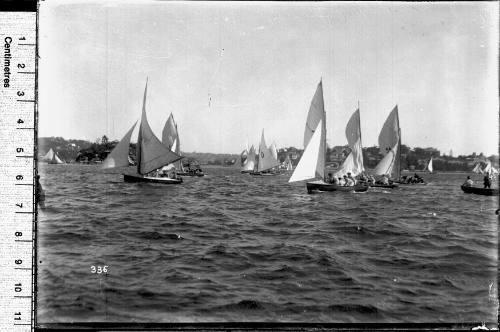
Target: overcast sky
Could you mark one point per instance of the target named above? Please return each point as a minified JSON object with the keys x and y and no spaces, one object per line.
{"x":260,"y":63}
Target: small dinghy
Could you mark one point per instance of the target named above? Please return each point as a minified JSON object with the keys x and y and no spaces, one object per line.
{"x":323,"y":186}
{"x":480,"y":191}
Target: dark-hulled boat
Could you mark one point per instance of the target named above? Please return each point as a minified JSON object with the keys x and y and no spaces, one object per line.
{"x":151,"y":153}
{"x":480,"y":191}
{"x":323,"y":186}
{"x":151,"y":179}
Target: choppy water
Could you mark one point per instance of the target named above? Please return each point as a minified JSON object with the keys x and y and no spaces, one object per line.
{"x":231,"y":247}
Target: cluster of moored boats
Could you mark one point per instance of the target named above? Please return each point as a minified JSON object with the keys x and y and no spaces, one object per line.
{"x":160,"y":161}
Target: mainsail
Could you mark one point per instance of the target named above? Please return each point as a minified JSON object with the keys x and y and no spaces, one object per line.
{"x":354,"y":162}
{"x":266,"y":159}
{"x":151,"y":153}
{"x":312,"y":162}
{"x":170,"y":138}
{"x":390,"y":138}
{"x":249,"y":163}
{"x":119,"y":155}
{"x":310,"y":165}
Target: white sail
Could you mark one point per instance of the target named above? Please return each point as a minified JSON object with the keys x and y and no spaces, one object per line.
{"x":315,"y":115}
{"x":266,"y":159}
{"x":119,"y":157}
{"x":52,"y":158}
{"x":429,"y":166}
{"x":288,"y":163}
{"x":274,"y":151}
{"x":55,"y":159}
{"x":310,"y":165}
{"x":48,"y":156}
{"x":170,"y":138}
{"x":390,"y":137}
{"x":477,"y":169}
{"x":151,"y":153}
{"x":386,"y":165}
{"x":354,"y":162}
{"x":249,"y":163}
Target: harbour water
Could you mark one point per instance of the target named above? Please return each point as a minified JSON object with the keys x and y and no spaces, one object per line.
{"x":232,"y":247}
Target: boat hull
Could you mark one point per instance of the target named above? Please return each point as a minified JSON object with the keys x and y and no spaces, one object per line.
{"x":387,"y":186}
{"x":265,"y":173}
{"x":480,"y":191}
{"x":199,"y":174}
{"x":411,"y":184}
{"x":150,"y":179}
{"x":323,"y":186}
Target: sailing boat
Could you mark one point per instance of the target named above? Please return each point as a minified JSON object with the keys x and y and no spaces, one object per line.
{"x":267,"y":160}
{"x":170,"y":138}
{"x":151,"y":153}
{"x":52,"y":157}
{"x":249,"y":164}
{"x":429,"y":166}
{"x":389,"y":141}
{"x":312,"y":162}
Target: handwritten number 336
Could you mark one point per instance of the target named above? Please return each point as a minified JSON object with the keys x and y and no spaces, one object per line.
{"x":99,"y":269}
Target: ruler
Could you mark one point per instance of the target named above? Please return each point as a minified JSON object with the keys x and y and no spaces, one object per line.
{"x":18,"y":95}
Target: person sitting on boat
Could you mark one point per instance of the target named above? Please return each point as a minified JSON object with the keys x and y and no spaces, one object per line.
{"x":340,"y":181}
{"x":349,"y":181}
{"x":362,"y":178}
{"x":487,"y":181}
{"x":468,"y":182}
{"x":384,"y":179}
{"x":329,"y":179}
{"x":349,"y":177}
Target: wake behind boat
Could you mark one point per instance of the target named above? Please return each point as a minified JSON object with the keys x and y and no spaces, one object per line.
{"x":152,"y":155}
